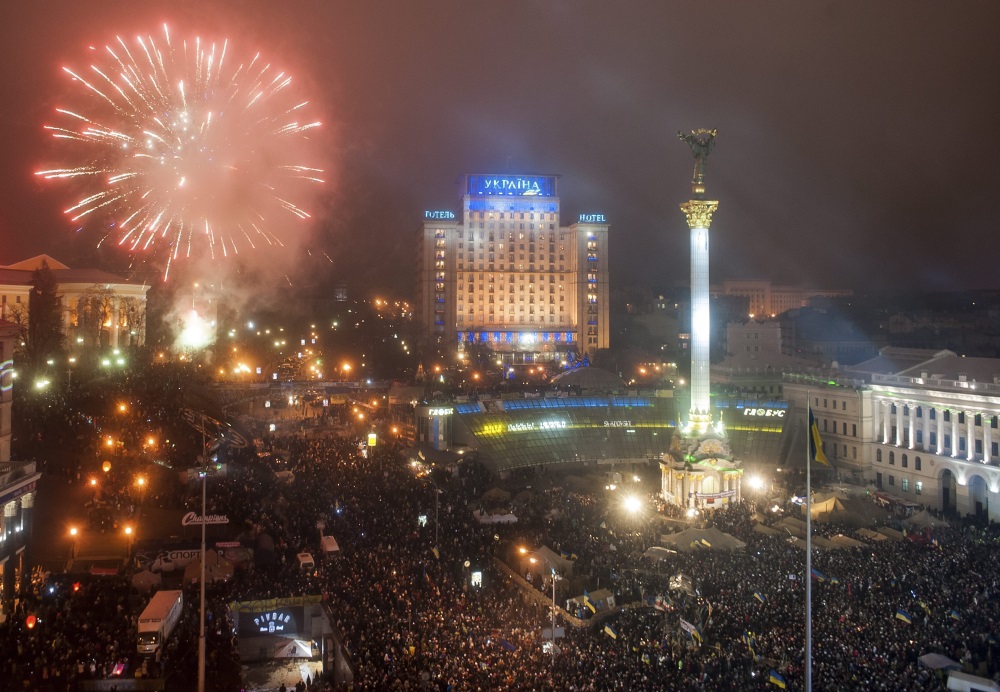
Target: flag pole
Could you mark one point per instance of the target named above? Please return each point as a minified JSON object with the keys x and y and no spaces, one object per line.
{"x":808,"y":685}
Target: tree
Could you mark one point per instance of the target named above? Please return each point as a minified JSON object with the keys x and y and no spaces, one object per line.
{"x":45,"y":335}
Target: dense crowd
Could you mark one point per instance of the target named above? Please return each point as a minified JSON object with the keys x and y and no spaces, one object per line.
{"x":401,"y":596}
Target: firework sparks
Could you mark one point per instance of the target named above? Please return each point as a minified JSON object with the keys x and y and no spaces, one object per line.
{"x":182,"y":147}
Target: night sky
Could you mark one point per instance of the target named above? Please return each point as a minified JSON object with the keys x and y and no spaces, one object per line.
{"x":857,"y":144}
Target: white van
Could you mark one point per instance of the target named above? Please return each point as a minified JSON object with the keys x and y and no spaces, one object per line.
{"x":306,"y":562}
{"x":964,"y":682}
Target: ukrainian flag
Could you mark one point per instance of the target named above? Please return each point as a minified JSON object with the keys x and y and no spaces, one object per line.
{"x":587,"y":602}
{"x":759,"y":596}
{"x":954,"y":615}
{"x":904,"y":616}
{"x":818,"y":575}
{"x":609,"y":630}
{"x":777,"y":678}
{"x":816,"y":442}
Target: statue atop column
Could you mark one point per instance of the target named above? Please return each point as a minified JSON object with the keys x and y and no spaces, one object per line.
{"x":701,"y":142}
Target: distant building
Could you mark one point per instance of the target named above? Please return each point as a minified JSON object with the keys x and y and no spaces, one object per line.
{"x":18,"y":479}
{"x":755,"y":361}
{"x":505,"y":273}
{"x":98,"y":308}
{"x":769,"y":300}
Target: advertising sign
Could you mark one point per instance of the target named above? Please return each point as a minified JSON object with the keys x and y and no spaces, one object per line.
{"x":282,"y":620}
{"x":513,"y":185}
{"x":192,"y":519}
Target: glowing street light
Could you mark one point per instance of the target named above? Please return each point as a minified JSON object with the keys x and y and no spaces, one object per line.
{"x":532,"y":558}
{"x":632,"y":504}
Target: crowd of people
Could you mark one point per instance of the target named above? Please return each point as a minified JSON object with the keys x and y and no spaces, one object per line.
{"x":403,"y":602}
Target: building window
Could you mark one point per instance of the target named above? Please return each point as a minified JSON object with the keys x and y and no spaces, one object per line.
{"x":892,"y":480}
{"x":918,"y":487}
{"x":905,"y":462}
{"x":892,"y":458}
{"x":878,"y":455}
{"x":854,"y":429}
{"x":904,"y":485}
{"x":916,"y":463}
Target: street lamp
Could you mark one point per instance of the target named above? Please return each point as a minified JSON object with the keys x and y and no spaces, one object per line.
{"x":531,"y":558}
{"x":632,"y":504}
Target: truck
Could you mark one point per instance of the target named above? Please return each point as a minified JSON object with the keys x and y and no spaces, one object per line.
{"x":158,"y":620}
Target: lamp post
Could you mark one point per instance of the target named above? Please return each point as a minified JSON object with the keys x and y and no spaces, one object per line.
{"x":530,"y":554}
{"x":203,"y":472}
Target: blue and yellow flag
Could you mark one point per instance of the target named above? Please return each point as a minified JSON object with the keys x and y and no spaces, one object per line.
{"x":587,"y":602}
{"x":818,"y":575}
{"x":954,"y":615}
{"x":759,"y":596}
{"x":437,"y":553}
{"x":777,"y":678}
{"x":815,"y":441}
{"x":610,"y":631}
{"x":904,"y":616}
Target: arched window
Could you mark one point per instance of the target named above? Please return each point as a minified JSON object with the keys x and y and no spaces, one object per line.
{"x":892,"y":458}
{"x":878,"y":455}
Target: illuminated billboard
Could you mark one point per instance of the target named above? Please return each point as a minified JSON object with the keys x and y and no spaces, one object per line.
{"x":512,"y":185}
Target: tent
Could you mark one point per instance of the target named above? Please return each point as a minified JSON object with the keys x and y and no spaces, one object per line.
{"x":842,"y":541}
{"x":818,"y":543}
{"x":767,"y":530}
{"x":872,"y":535}
{"x":145,"y":580}
{"x":496,"y":496}
{"x":657,"y":553}
{"x":939,"y":662}
{"x":601,"y":598}
{"x":293,"y":648}
{"x":891,"y":534}
{"x":216,"y":569}
{"x":824,"y":504}
{"x":924,"y":519}
{"x":795,"y":527}
{"x":701,"y":539}
{"x":545,"y":559}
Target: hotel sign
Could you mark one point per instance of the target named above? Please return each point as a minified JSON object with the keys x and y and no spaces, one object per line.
{"x":592,"y":218}
{"x":439,"y":215}
{"x":514,"y":185}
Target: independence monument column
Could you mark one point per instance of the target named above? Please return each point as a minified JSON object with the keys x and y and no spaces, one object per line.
{"x":698,"y":212}
{"x":699,"y":472}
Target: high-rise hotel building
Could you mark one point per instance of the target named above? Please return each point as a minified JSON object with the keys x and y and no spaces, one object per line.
{"x":505,"y":273}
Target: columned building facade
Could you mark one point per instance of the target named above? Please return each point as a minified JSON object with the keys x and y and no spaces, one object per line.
{"x":505,"y":274}
{"x":18,"y":482}
{"x":926,"y":434}
{"x":98,"y":309}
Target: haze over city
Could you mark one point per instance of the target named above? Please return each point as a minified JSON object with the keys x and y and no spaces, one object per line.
{"x":856,"y":146}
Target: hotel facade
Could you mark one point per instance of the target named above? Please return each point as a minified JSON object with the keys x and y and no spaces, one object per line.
{"x":504,"y":273}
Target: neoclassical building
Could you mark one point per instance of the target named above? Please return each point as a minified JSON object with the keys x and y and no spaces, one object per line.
{"x":18,"y":479}
{"x":922,"y":425}
{"x":99,"y":308}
